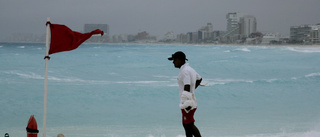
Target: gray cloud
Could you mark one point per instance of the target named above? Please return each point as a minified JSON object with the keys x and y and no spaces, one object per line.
{"x":154,"y":16}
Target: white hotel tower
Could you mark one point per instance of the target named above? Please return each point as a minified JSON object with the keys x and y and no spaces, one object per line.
{"x":239,"y":25}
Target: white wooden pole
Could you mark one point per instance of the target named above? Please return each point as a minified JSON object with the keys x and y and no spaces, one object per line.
{"x":46,"y":79}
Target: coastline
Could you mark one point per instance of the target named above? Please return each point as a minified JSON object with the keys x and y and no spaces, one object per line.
{"x":189,"y":44}
{"x":207,"y":44}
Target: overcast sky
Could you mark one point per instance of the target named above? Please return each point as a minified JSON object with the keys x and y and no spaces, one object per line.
{"x":154,"y":16}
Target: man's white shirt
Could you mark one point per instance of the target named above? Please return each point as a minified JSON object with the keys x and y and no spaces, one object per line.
{"x":188,"y":76}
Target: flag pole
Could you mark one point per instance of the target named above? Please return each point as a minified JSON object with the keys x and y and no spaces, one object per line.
{"x":46,"y":78}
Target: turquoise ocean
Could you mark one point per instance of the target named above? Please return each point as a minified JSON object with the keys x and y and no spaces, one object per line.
{"x":131,"y":90}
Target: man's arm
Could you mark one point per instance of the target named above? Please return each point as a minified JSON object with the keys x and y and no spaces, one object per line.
{"x":187,"y":87}
{"x":198,"y":82}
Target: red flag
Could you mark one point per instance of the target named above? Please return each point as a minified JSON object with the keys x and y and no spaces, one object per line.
{"x":64,"y":39}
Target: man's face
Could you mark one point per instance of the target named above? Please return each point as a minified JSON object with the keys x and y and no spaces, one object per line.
{"x":177,"y":63}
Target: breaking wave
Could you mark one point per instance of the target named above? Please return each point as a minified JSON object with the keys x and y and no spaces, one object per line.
{"x":165,"y":80}
{"x":212,"y":82}
{"x":238,"y":49}
{"x":243,"y":49}
{"x":305,"y":50}
{"x":30,"y":75}
{"x":313,"y":74}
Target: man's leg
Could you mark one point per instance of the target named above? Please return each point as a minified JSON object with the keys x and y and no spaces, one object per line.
{"x":195,"y":131}
{"x":188,"y":130}
{"x":191,"y":129}
{"x":188,"y":124}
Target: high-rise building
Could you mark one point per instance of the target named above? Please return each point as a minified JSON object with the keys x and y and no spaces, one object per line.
{"x":248,"y":25}
{"x":315,"y":35}
{"x":239,"y":25}
{"x":305,"y":33}
{"x":233,"y":20}
{"x":206,"y":32}
{"x":300,"y":33}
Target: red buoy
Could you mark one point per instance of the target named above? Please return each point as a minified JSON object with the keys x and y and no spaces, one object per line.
{"x":32,"y":128}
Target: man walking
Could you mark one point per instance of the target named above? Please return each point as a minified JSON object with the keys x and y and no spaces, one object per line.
{"x":188,"y":80}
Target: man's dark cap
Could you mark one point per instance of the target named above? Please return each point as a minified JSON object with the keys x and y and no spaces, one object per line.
{"x":178,"y":55}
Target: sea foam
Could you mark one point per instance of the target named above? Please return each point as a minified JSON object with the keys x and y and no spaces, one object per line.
{"x":305,"y":50}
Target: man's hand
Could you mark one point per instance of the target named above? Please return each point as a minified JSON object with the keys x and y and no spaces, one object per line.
{"x":188,"y":108}
{"x":198,"y":82}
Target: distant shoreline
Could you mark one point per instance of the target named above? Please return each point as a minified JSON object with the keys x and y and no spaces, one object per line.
{"x":193,"y":44}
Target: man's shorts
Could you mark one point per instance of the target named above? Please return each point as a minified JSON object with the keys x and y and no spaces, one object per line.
{"x":188,"y":117}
